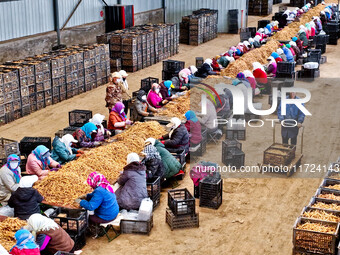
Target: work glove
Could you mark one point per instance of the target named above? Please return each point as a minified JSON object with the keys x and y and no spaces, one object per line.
{"x":163,"y":142}
{"x":77,"y":200}
{"x":161,"y":138}
{"x":128,"y":122}
{"x":151,"y":115}
{"x":54,"y":169}
{"x":82,"y":197}
{"x":108,"y":133}
{"x":80,"y":152}
{"x":96,"y":143}
{"x":78,"y":155}
{"x":58,"y":166}
{"x":165,"y":101}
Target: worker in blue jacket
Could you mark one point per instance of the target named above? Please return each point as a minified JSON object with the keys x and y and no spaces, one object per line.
{"x":294,"y":114}
{"x":102,"y":200}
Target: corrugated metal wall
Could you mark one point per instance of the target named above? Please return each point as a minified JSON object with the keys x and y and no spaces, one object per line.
{"x":22,"y":18}
{"x":143,"y":5}
{"x":176,"y":9}
{"x":28,"y":17}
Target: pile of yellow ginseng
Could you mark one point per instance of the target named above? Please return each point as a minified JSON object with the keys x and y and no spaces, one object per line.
{"x":329,"y":196}
{"x":336,"y":186}
{"x":261,"y":54}
{"x":317,"y":227}
{"x":246,"y":61}
{"x":63,"y":187}
{"x":321,"y":215}
{"x":8,"y":227}
{"x":326,"y":206}
{"x":177,"y":107}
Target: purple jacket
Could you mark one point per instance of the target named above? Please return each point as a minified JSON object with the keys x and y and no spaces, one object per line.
{"x":195,"y":131}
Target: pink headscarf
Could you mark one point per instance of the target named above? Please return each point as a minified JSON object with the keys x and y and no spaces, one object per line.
{"x":98,"y":180}
{"x":119,"y":106}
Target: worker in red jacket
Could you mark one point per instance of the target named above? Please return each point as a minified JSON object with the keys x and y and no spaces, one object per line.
{"x":259,"y":73}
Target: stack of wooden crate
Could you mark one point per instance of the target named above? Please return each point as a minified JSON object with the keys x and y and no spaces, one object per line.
{"x":138,"y":47}
{"x":36,"y":82}
{"x":199,"y":28}
{"x":260,"y":7}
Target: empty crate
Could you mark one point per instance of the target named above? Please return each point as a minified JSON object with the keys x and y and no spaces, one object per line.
{"x":136,"y":226}
{"x":181,"y":202}
{"x":184,"y":221}
{"x":210,"y":192}
{"x":28,"y":144}
{"x":77,"y":118}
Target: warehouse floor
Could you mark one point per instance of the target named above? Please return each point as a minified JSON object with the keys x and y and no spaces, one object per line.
{"x":257,"y":215}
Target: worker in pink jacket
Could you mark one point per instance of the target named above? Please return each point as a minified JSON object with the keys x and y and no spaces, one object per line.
{"x":39,"y":162}
{"x":155,"y":98}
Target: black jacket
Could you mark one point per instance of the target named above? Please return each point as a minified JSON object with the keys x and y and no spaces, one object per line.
{"x":204,"y":71}
{"x":25,"y":202}
{"x":179,"y":140}
{"x":154,"y":168}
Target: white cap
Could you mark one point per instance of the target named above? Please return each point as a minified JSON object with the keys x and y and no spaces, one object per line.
{"x":28,"y":181}
{"x":208,"y":61}
{"x":150,"y":140}
{"x":116,"y":75}
{"x":123,"y":73}
{"x":176,"y":121}
{"x":132,"y":157}
{"x":97,"y":119}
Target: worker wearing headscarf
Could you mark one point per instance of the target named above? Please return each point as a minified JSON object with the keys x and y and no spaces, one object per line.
{"x":118,"y":119}
{"x":132,"y":183}
{"x":277,"y":57}
{"x":250,"y":77}
{"x":166,"y":90}
{"x":49,"y":235}
{"x":243,"y":79}
{"x":268,"y":30}
{"x":281,"y":54}
{"x":10,"y":175}
{"x":177,"y":140}
{"x":288,"y":53}
{"x":26,"y":200}
{"x":272,"y":67}
{"x":86,"y":135}
{"x":154,"y":97}
{"x":259,"y":73}
{"x":25,"y":244}
{"x":114,"y":90}
{"x":63,"y":151}
{"x":102,"y":200}
{"x":39,"y":162}
{"x":257,"y":41}
{"x":303,"y":37}
{"x":289,"y":47}
{"x":251,"y":41}
{"x":184,"y":75}
{"x":194,"y":128}
{"x":312,"y":28}
{"x":142,"y":108}
{"x":102,"y":133}
{"x":206,"y":69}
{"x":295,"y":48}
{"x":153,"y":162}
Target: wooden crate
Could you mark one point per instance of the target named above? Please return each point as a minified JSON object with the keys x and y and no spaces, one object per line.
{"x":279,"y":154}
{"x":185,"y":221}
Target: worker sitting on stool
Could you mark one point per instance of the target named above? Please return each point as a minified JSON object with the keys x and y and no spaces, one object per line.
{"x":293,"y":115}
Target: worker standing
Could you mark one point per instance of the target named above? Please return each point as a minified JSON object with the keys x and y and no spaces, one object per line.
{"x":292,"y":121}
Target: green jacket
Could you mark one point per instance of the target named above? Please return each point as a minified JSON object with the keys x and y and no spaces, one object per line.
{"x":171,"y":164}
{"x":60,"y":152}
{"x":303,"y":38}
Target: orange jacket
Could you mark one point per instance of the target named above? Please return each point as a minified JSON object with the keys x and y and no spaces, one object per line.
{"x":113,"y":118}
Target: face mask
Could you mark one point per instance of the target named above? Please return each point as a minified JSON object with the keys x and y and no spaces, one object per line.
{"x":70,"y":144}
{"x":124,"y":79}
{"x":47,"y":155}
{"x":121,"y":111}
{"x":157,"y":91}
{"x":144,"y":98}
{"x":14,"y":164}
